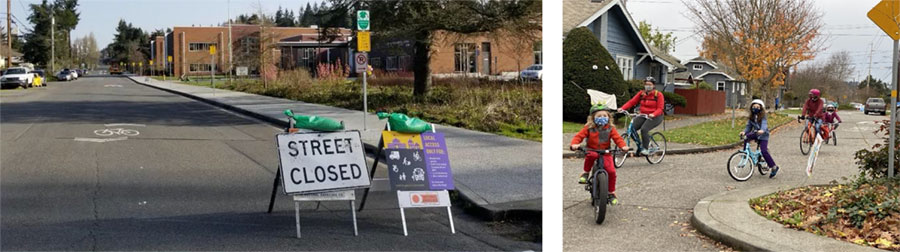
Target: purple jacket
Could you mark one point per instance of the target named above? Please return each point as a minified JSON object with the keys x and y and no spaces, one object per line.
{"x":829,"y":117}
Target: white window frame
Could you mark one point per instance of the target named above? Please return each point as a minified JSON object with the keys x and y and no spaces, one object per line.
{"x":743,"y":87}
{"x":203,"y":46}
{"x":626,"y":65}
{"x":698,"y":67}
{"x":734,"y":87}
{"x":720,"y":85}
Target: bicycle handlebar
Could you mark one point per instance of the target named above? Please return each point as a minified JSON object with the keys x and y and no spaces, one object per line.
{"x":583,"y":149}
{"x":625,"y":112}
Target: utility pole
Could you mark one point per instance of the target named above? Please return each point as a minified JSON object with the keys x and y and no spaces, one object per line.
{"x":8,"y":35}
{"x":52,"y":42}
{"x":869,"y":79}
{"x":230,"y":49}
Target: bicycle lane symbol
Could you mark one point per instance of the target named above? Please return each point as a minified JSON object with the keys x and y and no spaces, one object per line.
{"x":119,"y":133}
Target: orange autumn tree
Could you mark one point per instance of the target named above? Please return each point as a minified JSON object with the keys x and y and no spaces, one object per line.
{"x":760,"y":40}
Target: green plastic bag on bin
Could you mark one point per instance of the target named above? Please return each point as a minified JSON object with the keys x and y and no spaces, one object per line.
{"x":405,"y":124}
{"x":316,"y":123}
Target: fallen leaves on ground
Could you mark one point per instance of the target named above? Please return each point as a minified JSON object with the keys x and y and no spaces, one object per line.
{"x":865,"y":213}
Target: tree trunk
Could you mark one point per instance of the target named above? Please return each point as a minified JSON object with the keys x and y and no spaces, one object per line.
{"x":421,"y":64}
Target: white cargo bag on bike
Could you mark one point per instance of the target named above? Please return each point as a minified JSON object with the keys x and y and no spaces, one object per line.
{"x":607,"y":100}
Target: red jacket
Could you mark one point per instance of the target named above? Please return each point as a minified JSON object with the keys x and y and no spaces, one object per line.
{"x":598,"y":138}
{"x":814,"y":108}
{"x":652,"y":103}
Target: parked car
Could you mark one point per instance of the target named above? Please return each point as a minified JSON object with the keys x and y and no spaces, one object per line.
{"x":533,"y":72}
{"x":81,"y":72}
{"x":874,"y":105}
{"x":65,"y":75}
{"x":857,"y":106}
{"x":17,"y":76}
{"x":73,"y":72}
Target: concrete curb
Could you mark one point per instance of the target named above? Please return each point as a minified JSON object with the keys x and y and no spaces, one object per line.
{"x":690,"y":151}
{"x":727,"y":217}
{"x":475,"y":206}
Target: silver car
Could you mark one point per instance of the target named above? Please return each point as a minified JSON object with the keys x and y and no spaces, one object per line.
{"x":65,"y":75}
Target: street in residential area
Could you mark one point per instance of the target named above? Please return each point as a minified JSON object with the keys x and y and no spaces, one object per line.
{"x":656,"y":202}
{"x":104,"y":163}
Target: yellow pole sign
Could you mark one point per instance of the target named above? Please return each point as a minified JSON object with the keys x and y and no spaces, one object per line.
{"x":885,"y":15}
{"x":170,"y":59}
{"x":151,"y":62}
{"x":141,"y":63}
{"x":212,"y":49}
{"x":363,"y":41}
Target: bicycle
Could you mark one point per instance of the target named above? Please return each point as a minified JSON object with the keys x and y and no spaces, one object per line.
{"x":829,"y":130}
{"x":116,"y":131}
{"x":807,"y":137}
{"x":657,"y":145}
{"x":746,"y":158}
{"x":599,"y":184}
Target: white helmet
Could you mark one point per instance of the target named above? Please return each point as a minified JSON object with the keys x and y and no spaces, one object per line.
{"x":758,"y":101}
{"x":829,"y":106}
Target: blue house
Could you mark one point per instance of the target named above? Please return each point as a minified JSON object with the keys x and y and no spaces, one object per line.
{"x":721,"y":78}
{"x":618,"y":33}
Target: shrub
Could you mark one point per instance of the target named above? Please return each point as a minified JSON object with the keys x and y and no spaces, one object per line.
{"x":675,"y":99}
{"x":874,"y":163}
{"x":703,"y":85}
{"x":581,"y":51}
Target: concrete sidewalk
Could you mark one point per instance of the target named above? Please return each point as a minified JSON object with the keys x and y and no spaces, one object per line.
{"x":498,"y":175}
{"x":727,"y":217}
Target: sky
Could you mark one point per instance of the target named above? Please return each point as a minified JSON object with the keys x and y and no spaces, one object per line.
{"x":102,"y":16}
{"x":846,"y":27}
{"x":845,"y":23}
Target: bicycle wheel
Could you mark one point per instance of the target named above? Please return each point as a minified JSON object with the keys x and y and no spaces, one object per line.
{"x":600,"y":196}
{"x":129,"y":132}
{"x":834,"y":138}
{"x":657,"y":148}
{"x":805,"y":142}
{"x":104,"y":132}
{"x":621,"y":156}
{"x":739,"y":166}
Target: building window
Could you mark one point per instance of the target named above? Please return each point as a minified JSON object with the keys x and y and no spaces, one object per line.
{"x":698,"y":67}
{"x":464,"y":58}
{"x":375,"y":62}
{"x":199,"y":47}
{"x":734,"y":87}
{"x":405,"y":62}
{"x":200,"y":68}
{"x":538,"y":53}
{"x":626,"y":65}
{"x":743,"y":86}
{"x":390,"y":63}
{"x":720,"y":86}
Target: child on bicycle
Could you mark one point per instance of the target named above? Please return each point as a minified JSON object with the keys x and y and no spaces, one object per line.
{"x":599,"y":132}
{"x":830,"y":117}
{"x":813,"y":107}
{"x":758,"y":129}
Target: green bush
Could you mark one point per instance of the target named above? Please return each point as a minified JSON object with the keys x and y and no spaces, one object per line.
{"x":703,"y":85}
{"x":874,"y":163}
{"x":675,"y":99}
{"x":845,"y":106}
{"x":581,"y":51}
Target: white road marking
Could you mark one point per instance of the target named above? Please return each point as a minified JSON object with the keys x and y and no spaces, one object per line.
{"x":116,"y":131}
{"x":125,"y":124}
{"x":99,"y":140}
{"x":112,"y":85}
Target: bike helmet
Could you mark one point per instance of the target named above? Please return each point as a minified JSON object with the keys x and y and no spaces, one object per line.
{"x":650,"y":79}
{"x":758,"y":101}
{"x":814,"y":92}
{"x":596,"y":108}
{"x":829,"y":106}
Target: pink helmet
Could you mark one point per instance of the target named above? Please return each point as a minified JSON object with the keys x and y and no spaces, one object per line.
{"x":814,"y":92}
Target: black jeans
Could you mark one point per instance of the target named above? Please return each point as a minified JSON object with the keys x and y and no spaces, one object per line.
{"x":644,"y":125}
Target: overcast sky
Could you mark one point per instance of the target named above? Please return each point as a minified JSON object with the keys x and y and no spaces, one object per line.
{"x":846,"y":27}
{"x":102,"y":16}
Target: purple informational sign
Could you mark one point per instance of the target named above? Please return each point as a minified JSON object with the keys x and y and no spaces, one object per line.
{"x":437,"y":161}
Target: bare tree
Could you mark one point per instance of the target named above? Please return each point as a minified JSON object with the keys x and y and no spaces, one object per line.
{"x":759,"y":39}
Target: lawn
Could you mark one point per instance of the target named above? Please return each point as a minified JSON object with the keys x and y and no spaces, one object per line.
{"x":570,"y":127}
{"x":718,"y":132}
{"x":506,"y":108}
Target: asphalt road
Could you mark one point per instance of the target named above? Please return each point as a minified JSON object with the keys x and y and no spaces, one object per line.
{"x":656,"y":200}
{"x":194,"y":177}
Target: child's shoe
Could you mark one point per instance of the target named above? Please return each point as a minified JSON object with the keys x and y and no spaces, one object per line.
{"x":583,"y":179}
{"x":774,"y":171}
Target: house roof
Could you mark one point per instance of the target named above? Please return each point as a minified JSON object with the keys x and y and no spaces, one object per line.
{"x":716,"y":72}
{"x":702,"y":60}
{"x":576,"y":12}
{"x":660,"y":55}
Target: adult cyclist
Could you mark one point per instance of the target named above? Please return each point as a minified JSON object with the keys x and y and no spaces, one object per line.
{"x":652,"y":104}
{"x":813,"y":109}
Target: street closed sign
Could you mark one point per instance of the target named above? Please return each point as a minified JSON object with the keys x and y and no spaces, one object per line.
{"x":322,"y":161}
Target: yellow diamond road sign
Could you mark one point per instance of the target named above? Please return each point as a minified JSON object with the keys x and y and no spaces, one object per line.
{"x":887,"y":16}
{"x":363,"y":41}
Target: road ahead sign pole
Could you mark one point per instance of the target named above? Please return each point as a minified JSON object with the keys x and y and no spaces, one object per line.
{"x":886,"y":15}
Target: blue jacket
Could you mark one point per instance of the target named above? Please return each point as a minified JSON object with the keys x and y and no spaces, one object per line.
{"x":752,"y":126}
